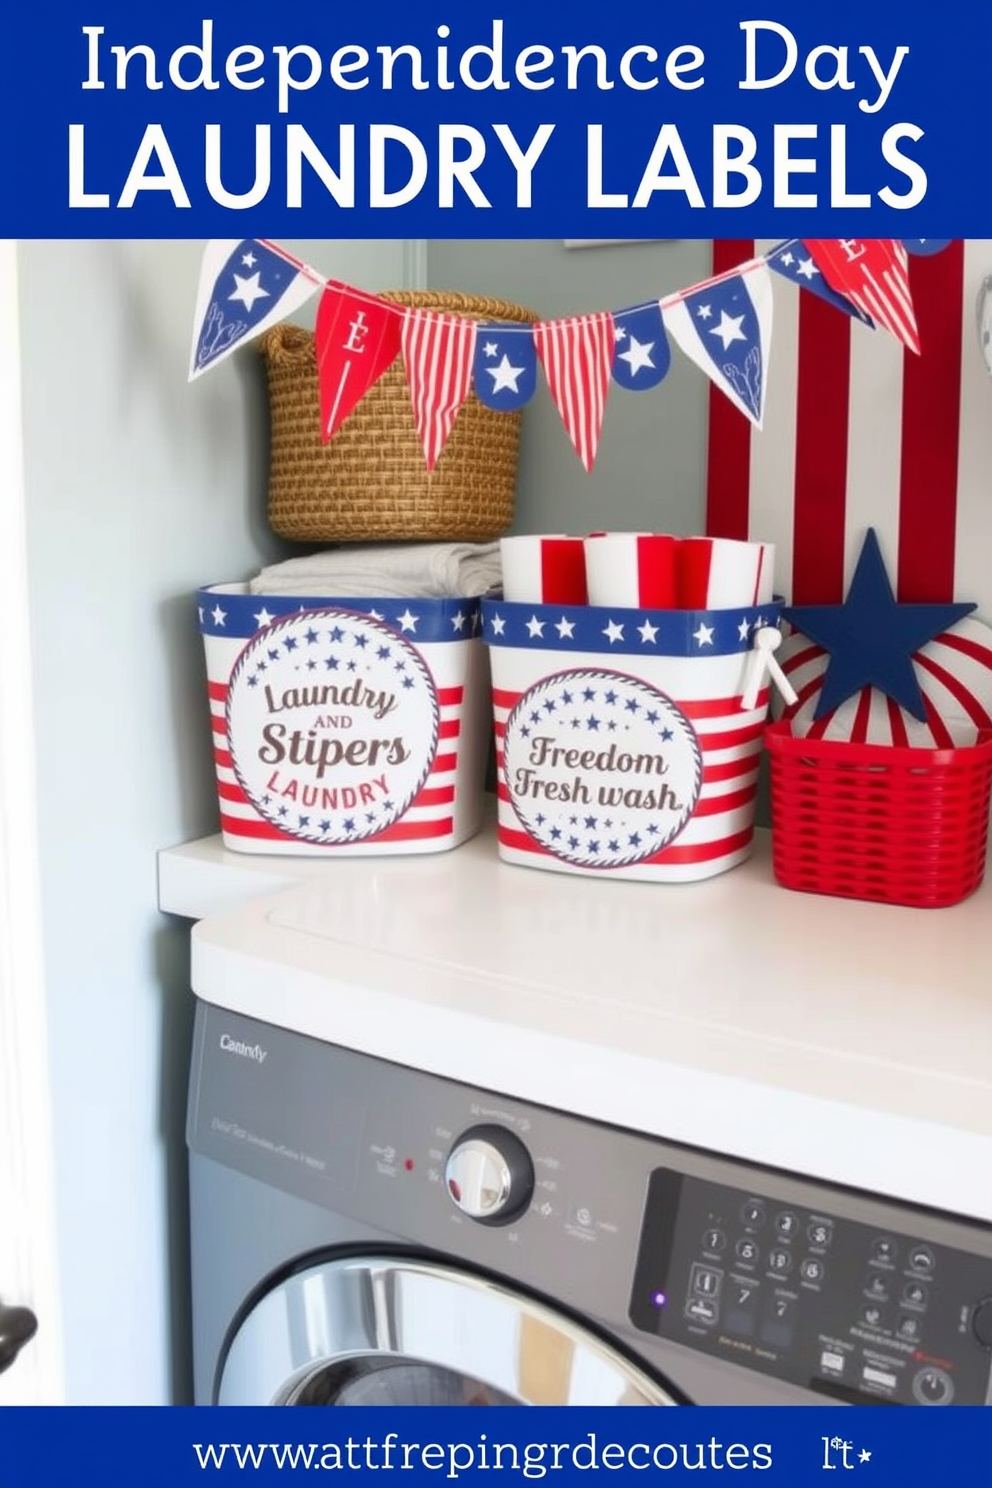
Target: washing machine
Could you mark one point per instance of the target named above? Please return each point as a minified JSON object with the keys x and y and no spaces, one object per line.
{"x":462,"y":1133}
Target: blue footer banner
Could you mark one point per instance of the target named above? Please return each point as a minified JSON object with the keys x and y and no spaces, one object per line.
{"x":169,"y":1448}
{"x":538,"y":119}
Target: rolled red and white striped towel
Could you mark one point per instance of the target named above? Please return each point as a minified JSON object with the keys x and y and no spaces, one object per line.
{"x":548,"y":568}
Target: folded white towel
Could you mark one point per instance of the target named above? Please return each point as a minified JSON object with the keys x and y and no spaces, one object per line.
{"x":387,"y":571}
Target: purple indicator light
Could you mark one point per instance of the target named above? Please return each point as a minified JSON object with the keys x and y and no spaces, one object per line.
{"x":659,"y":1299}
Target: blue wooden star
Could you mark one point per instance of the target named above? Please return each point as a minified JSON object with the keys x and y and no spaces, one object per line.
{"x":871,"y":639}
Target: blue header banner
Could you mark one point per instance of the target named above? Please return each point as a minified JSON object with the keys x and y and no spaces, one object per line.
{"x":780,"y":1447}
{"x":210,"y":119}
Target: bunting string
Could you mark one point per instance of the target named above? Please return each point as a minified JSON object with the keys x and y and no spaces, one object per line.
{"x":723,"y":324}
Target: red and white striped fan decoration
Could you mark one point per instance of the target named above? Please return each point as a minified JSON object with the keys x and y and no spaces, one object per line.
{"x":955,"y":675}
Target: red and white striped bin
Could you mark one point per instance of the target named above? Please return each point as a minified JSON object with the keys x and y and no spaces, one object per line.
{"x":348,"y":726}
{"x":622,"y":743}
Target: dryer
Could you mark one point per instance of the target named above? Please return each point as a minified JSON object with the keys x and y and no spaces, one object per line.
{"x":695,"y":1179}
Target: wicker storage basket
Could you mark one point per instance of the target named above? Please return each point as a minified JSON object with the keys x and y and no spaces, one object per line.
{"x":370,"y":481}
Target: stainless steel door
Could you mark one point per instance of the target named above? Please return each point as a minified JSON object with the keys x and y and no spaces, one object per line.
{"x":387,"y":1331}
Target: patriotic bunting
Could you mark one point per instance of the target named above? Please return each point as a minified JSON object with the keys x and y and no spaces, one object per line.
{"x":576,"y":354}
{"x":724,"y":326}
{"x":356,"y":338}
{"x":641,"y":356}
{"x":505,"y":372}
{"x":437,"y":350}
{"x":246,"y":286}
{"x":874,"y":274}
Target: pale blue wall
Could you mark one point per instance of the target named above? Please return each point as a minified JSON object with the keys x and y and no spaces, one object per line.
{"x":139,"y":488}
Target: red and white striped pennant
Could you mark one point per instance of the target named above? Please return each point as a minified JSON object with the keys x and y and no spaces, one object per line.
{"x":576,"y":353}
{"x":438,"y":352}
{"x":874,"y":275}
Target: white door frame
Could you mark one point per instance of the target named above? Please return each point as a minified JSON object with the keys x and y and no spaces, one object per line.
{"x":28,"y":1243}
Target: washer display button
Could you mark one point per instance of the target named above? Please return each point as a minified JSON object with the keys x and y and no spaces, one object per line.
{"x":706,"y":1281}
{"x":753,"y":1213}
{"x":714,"y":1241}
{"x":778,"y":1328}
{"x":780,"y":1261}
{"x":921,"y":1260}
{"x":872,"y":1317}
{"x":872,"y":1375}
{"x":812,"y":1270}
{"x":787,"y":1224}
{"x":884,"y":1251}
{"x":820,"y":1234}
{"x":878,"y":1287}
{"x":742,"y":1308}
{"x":915,"y":1294}
{"x":909,"y":1327}
{"x":748,"y":1251}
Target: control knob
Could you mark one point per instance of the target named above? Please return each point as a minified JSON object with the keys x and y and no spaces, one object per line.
{"x":981,"y":1322}
{"x":489,"y":1174}
{"x":933,"y":1386}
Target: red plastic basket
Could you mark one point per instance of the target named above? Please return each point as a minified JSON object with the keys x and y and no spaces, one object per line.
{"x":872,"y":821}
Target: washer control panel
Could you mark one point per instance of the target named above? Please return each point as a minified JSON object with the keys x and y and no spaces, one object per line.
{"x":733,"y":1281}
{"x":856,"y":1311}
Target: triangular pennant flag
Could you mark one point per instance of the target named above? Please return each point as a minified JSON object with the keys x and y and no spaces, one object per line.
{"x":246,"y":286}
{"x":437,"y":352}
{"x":357,"y":336}
{"x":505,"y":372}
{"x":576,"y":354}
{"x":874,"y":273}
{"x":725,"y":327}
{"x":794,"y":262}
{"x":641,"y":355}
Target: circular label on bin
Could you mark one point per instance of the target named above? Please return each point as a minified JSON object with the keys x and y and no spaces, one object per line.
{"x":332,"y":722}
{"x":602,"y":769}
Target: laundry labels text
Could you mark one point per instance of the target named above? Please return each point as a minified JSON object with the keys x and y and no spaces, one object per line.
{"x":602,"y":769}
{"x":629,"y":125}
{"x":333,"y":725}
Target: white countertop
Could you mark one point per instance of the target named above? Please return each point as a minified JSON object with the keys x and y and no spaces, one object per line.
{"x":845,"y":1040}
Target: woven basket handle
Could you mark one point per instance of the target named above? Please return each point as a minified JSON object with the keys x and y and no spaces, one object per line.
{"x":286,"y":343}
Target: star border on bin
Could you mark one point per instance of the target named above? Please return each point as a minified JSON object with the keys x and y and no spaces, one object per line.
{"x":871,"y":638}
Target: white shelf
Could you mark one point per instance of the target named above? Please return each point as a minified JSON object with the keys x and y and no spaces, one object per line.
{"x":202,"y":878}
{"x":845,"y":1040}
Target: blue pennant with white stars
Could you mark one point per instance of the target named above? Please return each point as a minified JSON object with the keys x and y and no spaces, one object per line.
{"x":245,"y":287}
{"x":724,"y":326}
{"x":794,"y":262}
{"x":505,"y":371}
{"x":870,"y":638}
{"x":642,"y":355}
